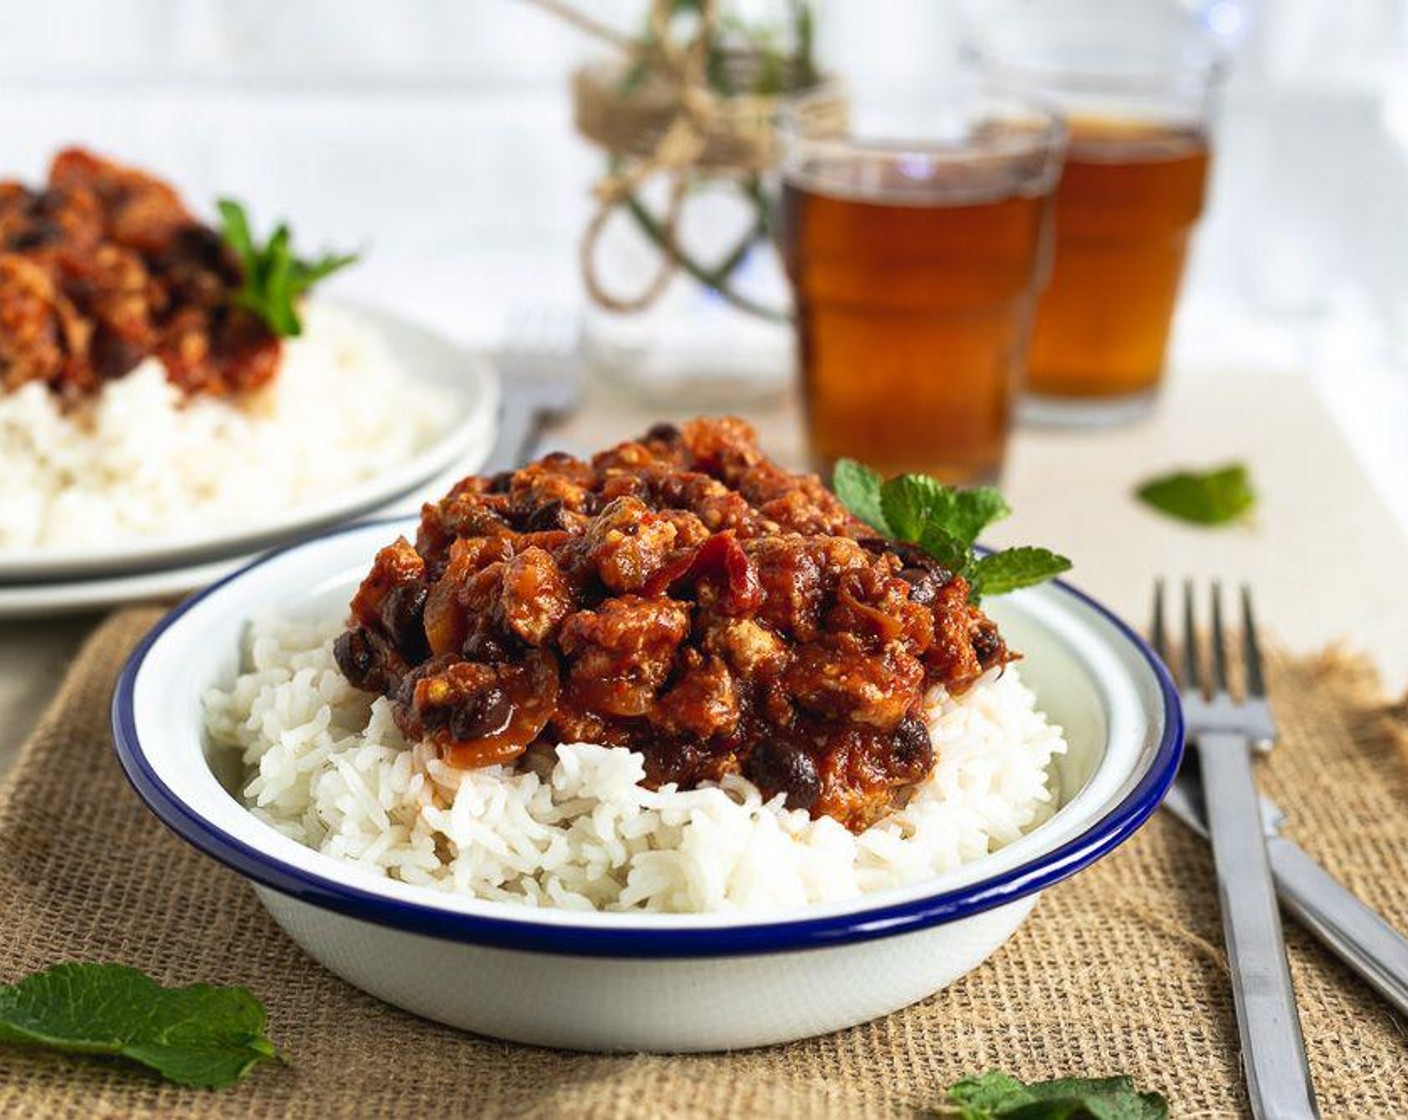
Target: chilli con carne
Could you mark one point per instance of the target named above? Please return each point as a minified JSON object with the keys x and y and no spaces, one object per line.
{"x":679,"y":595}
{"x":104,"y":267}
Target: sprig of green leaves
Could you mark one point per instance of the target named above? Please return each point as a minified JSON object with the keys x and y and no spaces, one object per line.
{"x":1000,"y":1096}
{"x":945,"y":522}
{"x":200,"y":1036}
{"x":274,"y":278}
{"x":1221,"y":496}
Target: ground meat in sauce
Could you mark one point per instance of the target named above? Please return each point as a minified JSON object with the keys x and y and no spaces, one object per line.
{"x":682,"y":596}
{"x":104,"y":267}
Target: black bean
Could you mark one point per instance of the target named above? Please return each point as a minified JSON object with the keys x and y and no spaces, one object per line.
{"x":988,"y":645}
{"x":779,"y":766}
{"x":37,"y":236}
{"x":204,"y":248}
{"x":923,"y":585}
{"x":545,"y":518}
{"x":911,"y":555}
{"x":486,"y":713}
{"x":664,"y":433}
{"x":913,"y":748}
{"x":403,"y":614}
{"x":490,"y":646}
{"x":355,"y":657}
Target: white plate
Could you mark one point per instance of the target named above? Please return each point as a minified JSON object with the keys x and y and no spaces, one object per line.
{"x":427,"y":356}
{"x":76,"y":596}
{"x":646,"y":981}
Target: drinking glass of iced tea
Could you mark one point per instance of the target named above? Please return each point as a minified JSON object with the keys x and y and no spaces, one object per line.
{"x":916,"y":234}
{"x":1136,"y":97}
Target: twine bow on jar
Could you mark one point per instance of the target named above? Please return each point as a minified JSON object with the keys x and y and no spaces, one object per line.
{"x":685,"y":107}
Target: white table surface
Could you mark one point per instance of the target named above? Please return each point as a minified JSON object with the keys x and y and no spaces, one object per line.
{"x":1326,"y":559}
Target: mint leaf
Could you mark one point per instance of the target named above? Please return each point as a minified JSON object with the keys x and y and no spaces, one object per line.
{"x":972,"y":511}
{"x":954,"y":554}
{"x":200,"y":1036}
{"x":944,"y":521}
{"x":273,"y":277}
{"x":307,"y":273}
{"x":235,"y":229}
{"x":903,"y":507}
{"x":1014,"y":568}
{"x":1214,"y":497}
{"x":995,"y":1095}
{"x":858,"y":487}
{"x":909,"y":501}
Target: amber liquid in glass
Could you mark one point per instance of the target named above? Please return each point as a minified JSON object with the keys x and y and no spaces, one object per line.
{"x":1125,"y":207}
{"x":913,"y":317}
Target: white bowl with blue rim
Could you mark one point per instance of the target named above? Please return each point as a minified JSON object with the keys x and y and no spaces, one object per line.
{"x":622,"y":981}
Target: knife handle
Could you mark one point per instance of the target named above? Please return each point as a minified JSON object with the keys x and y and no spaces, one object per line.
{"x":1353,"y":931}
{"x":1273,"y":1049}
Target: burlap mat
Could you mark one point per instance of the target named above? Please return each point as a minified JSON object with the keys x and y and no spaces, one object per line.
{"x":1119,"y":970}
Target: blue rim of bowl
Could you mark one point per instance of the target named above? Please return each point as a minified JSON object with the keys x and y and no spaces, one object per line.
{"x":744,"y":939}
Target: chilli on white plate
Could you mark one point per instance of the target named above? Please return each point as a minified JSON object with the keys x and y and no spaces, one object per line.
{"x":155,"y":377}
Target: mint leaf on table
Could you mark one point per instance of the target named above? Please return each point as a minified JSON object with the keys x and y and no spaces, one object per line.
{"x":200,"y":1036}
{"x":1000,"y":1096}
{"x":945,"y":521}
{"x":1220,"y":496}
{"x":274,"y":278}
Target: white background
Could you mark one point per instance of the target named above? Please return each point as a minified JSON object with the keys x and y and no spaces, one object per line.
{"x":436,"y":135}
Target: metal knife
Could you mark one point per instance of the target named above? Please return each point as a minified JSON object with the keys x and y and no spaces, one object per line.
{"x":1351,"y":930}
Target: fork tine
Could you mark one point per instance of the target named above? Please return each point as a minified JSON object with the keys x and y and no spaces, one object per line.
{"x":1192,"y":679}
{"x":1219,"y":644}
{"x":1158,"y":634}
{"x":1256,"y":683}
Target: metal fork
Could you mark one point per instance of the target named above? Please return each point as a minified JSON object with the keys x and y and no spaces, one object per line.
{"x":1225,"y":732}
{"x":541,"y":369}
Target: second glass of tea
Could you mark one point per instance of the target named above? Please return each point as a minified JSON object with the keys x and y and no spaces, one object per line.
{"x":916,"y":234}
{"x":1136,"y":96}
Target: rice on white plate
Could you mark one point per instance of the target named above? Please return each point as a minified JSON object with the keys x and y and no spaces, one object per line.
{"x":327,"y":766}
{"x":139,"y":461}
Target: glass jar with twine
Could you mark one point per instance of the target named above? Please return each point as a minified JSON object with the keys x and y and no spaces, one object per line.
{"x":687,"y":298}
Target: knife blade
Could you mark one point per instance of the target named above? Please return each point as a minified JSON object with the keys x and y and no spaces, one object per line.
{"x":1351,"y":930}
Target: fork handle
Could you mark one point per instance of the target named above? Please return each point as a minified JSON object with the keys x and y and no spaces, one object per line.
{"x":1273,"y":1050}
{"x":519,"y":421}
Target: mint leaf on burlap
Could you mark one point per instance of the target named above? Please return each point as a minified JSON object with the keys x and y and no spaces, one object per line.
{"x":1000,"y":1096}
{"x":201,"y":1036}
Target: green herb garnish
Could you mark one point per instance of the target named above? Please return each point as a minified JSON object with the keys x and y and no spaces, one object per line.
{"x":945,"y":522}
{"x":200,"y":1036}
{"x":274,"y":278}
{"x":995,"y":1095}
{"x":1220,"y":496}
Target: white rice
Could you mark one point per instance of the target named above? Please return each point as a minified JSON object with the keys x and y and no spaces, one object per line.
{"x":140,"y":462}
{"x":327,"y":766}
